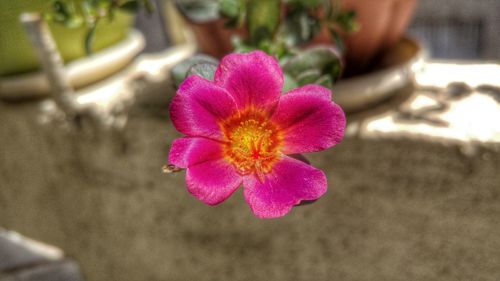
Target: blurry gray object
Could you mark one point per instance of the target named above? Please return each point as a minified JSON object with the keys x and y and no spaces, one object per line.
{"x":22,"y":259}
{"x":450,"y":38}
{"x":152,"y":26}
{"x":460,"y":29}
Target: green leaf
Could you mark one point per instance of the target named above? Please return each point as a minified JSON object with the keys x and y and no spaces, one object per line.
{"x":243,"y":15}
{"x":180,"y":71}
{"x":89,"y":39}
{"x":303,"y":3}
{"x":309,"y":76}
{"x":244,"y":48}
{"x":61,"y":8}
{"x":290,"y":83}
{"x":263,"y":19}
{"x":88,"y":8}
{"x":74,"y":21}
{"x":131,"y":6}
{"x":300,"y":27}
{"x":230,"y":8}
{"x":63,"y":13}
{"x":240,"y":46}
{"x":338,"y":41}
{"x":199,"y":11}
{"x":204,"y":69}
{"x":315,"y":62}
{"x":305,"y":31}
{"x":347,"y":21}
{"x":325,"y":81}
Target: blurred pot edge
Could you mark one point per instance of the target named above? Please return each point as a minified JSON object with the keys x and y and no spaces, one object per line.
{"x":81,"y":72}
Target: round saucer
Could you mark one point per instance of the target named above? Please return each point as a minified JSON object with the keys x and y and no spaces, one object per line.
{"x":396,"y":71}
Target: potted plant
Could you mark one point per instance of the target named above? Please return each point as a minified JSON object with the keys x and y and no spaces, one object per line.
{"x":382,"y":24}
{"x":79,"y":28}
{"x":365,"y":27}
{"x":316,"y":41}
{"x":281,"y":28}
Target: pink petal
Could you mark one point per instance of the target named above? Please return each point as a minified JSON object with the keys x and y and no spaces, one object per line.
{"x":309,"y":119}
{"x":253,"y":78}
{"x":290,"y":182}
{"x":209,"y":177}
{"x":198,"y":106}
{"x":189,"y":151}
{"x":212,"y":181}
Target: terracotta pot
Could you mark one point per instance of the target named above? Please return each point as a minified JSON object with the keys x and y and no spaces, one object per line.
{"x":213,"y":38}
{"x":383,"y":22}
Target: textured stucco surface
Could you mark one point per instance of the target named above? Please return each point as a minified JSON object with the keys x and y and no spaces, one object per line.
{"x":396,"y":209}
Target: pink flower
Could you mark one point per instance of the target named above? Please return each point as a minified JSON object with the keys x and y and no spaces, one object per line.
{"x":240,"y":129}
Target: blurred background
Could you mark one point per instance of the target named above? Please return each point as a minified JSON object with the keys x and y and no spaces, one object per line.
{"x":414,"y":188}
{"x":451,"y":29}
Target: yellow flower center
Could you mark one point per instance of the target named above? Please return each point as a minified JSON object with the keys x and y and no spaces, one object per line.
{"x":252,"y":143}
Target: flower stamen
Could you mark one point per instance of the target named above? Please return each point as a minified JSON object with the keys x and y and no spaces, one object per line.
{"x":252,"y":144}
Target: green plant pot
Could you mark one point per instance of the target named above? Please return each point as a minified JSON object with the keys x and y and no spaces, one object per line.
{"x":16,"y":53}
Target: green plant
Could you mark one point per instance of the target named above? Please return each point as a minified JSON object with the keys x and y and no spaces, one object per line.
{"x":90,"y":13}
{"x":282,"y":28}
